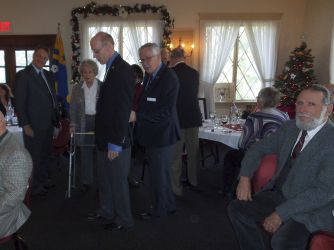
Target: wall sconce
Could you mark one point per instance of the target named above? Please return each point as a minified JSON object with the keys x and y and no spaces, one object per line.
{"x":188,"y":49}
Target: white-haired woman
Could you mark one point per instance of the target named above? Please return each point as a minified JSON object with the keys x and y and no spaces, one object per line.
{"x":82,"y":116}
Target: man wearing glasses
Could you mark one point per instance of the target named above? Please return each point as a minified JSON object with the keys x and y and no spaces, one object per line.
{"x":157,"y":127}
{"x":112,"y":130}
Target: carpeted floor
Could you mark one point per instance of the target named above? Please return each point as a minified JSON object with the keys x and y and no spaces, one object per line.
{"x":200,"y":222}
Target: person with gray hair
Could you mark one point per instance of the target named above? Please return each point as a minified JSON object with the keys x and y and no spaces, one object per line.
{"x":190,"y":119}
{"x":82,"y":117}
{"x":157,"y":127}
{"x":15,"y":171}
{"x":257,"y":126}
{"x":298,"y":199}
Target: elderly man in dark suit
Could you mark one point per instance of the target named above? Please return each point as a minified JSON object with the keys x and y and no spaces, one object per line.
{"x":36,"y":109}
{"x":157,"y":127}
{"x":113,"y":134}
{"x":299,"y":199}
{"x":15,"y":170}
{"x":190,"y":119}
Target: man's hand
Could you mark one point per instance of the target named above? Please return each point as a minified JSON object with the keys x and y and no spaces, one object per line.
{"x":112,"y":155}
{"x":133,"y":117}
{"x":244,"y":190}
{"x":272,"y":223}
{"x":28,"y":130}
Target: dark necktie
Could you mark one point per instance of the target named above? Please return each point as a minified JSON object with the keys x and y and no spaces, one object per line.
{"x":148,"y":81}
{"x":47,"y":86}
{"x":298,"y":147}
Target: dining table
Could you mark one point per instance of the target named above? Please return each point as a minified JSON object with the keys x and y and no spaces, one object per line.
{"x":226,"y":134}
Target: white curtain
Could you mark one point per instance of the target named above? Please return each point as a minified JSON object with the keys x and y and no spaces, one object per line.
{"x":331,"y":59}
{"x":263,"y":39}
{"x":128,"y":37}
{"x":141,"y":32}
{"x":218,"y":38}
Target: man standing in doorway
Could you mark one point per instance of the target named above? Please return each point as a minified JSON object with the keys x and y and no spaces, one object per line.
{"x":36,"y":110}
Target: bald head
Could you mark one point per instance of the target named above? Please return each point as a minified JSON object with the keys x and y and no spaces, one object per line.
{"x":102,"y":45}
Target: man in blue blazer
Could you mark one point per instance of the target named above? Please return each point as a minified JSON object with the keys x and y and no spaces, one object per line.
{"x":35,"y":98}
{"x":299,"y":199}
{"x":113,"y":134}
{"x":157,"y":126}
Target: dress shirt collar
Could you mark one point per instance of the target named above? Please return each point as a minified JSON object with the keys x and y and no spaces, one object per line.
{"x":178,"y":63}
{"x":111,"y":60}
{"x":37,"y":69}
{"x":156,"y":71}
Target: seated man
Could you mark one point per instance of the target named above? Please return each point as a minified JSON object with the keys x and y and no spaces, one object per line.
{"x":299,"y":199}
{"x":15,"y":170}
{"x":257,"y":126}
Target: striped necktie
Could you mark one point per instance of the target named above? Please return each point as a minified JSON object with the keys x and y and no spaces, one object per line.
{"x":298,"y":147}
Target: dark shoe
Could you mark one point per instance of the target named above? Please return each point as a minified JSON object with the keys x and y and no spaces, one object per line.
{"x":115,"y":227}
{"x":94,"y":217}
{"x":146,"y":216}
{"x":40,"y":193}
{"x":19,"y":242}
{"x":133,"y":183}
{"x":49,"y":185}
{"x":84,"y":188}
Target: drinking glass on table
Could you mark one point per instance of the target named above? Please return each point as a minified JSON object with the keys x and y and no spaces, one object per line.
{"x":212,"y":117}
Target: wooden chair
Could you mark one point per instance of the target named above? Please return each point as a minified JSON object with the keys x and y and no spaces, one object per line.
{"x":320,"y":240}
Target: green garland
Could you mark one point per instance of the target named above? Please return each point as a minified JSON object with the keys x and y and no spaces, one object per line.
{"x":116,"y":10}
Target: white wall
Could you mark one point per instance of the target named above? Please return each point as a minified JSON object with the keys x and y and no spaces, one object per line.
{"x":42,"y":16}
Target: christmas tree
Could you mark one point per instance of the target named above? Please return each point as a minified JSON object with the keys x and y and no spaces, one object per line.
{"x":297,"y":74}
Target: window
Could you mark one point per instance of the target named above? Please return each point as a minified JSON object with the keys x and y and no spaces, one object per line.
{"x":16,"y":53}
{"x":240,"y":72}
{"x":2,"y":67}
{"x":128,"y":37}
{"x":238,"y":58}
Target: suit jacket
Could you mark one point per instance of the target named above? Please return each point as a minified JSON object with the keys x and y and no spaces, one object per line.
{"x":157,"y":123}
{"x":77,"y":108}
{"x":308,"y":189}
{"x":114,"y":106}
{"x":15,"y":170}
{"x":187,"y":103}
{"x":34,"y":104}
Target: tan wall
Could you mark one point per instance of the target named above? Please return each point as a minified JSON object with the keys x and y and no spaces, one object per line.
{"x":42,"y":16}
{"x":318,"y":29}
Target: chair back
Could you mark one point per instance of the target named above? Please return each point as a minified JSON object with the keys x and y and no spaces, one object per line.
{"x":265,"y":172}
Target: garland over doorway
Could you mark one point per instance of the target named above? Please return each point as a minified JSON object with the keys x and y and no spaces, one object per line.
{"x":92,"y":9}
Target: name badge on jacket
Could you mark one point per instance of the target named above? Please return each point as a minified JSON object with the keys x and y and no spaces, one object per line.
{"x":151,"y":99}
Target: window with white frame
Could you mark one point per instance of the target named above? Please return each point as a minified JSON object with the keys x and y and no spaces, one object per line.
{"x":128,"y":37}
{"x":239,"y":58}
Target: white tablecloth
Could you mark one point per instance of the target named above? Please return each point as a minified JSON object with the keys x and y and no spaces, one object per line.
{"x":17,"y":132}
{"x":226,"y":136}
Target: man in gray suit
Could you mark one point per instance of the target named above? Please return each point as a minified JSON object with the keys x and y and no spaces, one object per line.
{"x":299,"y":199}
{"x":15,"y":170}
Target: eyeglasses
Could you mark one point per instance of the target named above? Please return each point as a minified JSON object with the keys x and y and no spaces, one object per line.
{"x":147,"y":59}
